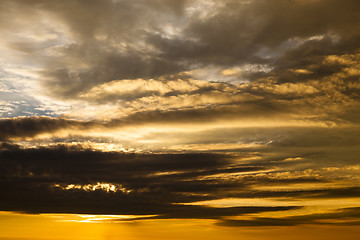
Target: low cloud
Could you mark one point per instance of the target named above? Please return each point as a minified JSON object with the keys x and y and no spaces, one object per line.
{"x":27,"y":127}
{"x":341,"y":217}
{"x":71,"y":179}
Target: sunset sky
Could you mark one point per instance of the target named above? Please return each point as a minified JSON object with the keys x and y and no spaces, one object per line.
{"x":179,"y":119}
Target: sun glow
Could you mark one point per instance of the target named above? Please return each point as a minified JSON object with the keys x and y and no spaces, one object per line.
{"x":107,"y":187}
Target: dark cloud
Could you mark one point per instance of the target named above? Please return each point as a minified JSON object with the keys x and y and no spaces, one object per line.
{"x":343,"y":216}
{"x":204,"y":212}
{"x":41,"y":168}
{"x":27,"y":127}
{"x":332,"y":193}
{"x":236,"y":32}
{"x":142,"y":164}
{"x":33,"y":181}
{"x":259,"y":222}
{"x":106,"y":67}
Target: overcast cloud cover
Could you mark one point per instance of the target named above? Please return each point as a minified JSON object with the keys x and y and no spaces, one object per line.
{"x":244,"y":112}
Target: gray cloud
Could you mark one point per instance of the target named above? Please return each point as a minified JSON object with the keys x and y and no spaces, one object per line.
{"x":122,"y":40}
{"x":25,"y":127}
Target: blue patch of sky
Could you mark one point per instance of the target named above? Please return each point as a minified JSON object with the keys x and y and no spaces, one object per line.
{"x":15,"y":102}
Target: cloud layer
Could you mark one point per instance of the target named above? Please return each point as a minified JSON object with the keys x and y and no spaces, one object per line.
{"x":245,"y":112}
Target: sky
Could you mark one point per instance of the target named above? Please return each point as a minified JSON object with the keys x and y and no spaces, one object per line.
{"x":179,"y":119}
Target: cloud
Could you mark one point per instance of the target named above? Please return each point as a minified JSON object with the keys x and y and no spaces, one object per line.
{"x":165,"y":104}
{"x":110,"y":30}
{"x":68,"y":179}
{"x":39,"y":180}
{"x":344,"y":217}
{"x":110,"y":40}
{"x":27,"y":127}
{"x":102,"y":49}
{"x":204,"y":212}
